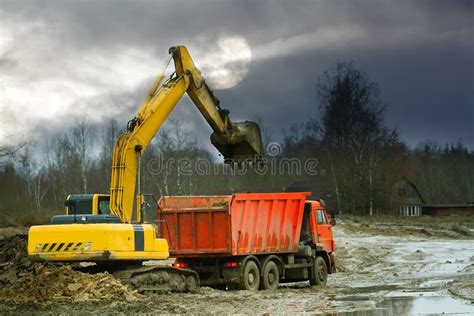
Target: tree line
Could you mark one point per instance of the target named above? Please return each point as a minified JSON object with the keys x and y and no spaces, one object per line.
{"x":344,"y":154}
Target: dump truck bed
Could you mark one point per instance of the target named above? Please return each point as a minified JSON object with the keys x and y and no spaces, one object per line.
{"x":239,"y":224}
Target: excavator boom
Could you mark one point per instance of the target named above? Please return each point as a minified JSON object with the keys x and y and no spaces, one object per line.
{"x":236,"y":141}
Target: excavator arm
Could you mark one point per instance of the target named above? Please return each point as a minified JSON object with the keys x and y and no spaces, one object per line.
{"x":237,"y":142}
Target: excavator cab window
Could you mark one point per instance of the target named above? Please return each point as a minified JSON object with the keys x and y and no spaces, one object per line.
{"x":80,"y":203}
{"x":104,"y":203}
{"x":82,"y":207}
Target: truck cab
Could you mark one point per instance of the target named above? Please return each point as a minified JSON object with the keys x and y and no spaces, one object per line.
{"x":321,"y":228}
{"x":316,"y":231}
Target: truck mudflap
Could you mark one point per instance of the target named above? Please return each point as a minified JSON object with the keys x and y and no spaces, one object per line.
{"x":159,"y":279}
{"x":332,"y":260}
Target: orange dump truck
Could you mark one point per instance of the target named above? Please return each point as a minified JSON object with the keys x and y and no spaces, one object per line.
{"x":250,"y":240}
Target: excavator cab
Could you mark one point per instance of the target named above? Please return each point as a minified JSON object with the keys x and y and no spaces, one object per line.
{"x":86,"y":209}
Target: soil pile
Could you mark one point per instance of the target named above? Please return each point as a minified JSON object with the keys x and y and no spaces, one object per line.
{"x":463,"y":287}
{"x":14,"y":261}
{"x":52,"y":284}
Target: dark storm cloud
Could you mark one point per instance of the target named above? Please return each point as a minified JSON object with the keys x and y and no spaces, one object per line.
{"x":104,"y":23}
{"x":420,"y":53}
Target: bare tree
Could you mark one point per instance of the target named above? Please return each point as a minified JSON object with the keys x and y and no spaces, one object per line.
{"x":16,"y":141}
{"x":82,"y":139}
{"x":352,"y":122}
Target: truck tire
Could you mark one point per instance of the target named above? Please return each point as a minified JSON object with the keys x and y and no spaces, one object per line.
{"x":250,"y":276}
{"x":271,"y":276}
{"x":319,"y":273}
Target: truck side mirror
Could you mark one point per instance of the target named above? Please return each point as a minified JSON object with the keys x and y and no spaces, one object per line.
{"x":332,"y":221}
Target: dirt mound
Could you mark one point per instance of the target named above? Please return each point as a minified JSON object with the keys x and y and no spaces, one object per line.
{"x":52,"y":284}
{"x":463,"y":287}
{"x":13,"y":259}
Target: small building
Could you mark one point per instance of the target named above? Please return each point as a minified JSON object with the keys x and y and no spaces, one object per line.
{"x":409,"y":198}
{"x":448,"y":209}
{"x":412,"y":203}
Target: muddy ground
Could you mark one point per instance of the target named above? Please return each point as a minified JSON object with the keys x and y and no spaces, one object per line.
{"x":386,"y":266}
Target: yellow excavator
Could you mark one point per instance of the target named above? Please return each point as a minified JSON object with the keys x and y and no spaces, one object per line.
{"x":110,"y":229}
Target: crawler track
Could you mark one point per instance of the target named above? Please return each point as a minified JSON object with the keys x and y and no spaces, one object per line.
{"x":148,"y":279}
{"x":159,"y":279}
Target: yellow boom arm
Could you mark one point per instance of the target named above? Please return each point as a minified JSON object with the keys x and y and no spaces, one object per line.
{"x":236,"y":141}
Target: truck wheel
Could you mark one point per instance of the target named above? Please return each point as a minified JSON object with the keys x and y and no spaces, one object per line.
{"x":251,"y":277}
{"x":271,"y":277}
{"x":320,"y":272}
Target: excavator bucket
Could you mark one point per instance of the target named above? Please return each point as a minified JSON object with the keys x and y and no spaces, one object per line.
{"x":242,"y":143}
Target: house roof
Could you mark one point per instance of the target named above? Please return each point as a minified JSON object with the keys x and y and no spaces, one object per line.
{"x":449,"y":205}
{"x":414,"y":188}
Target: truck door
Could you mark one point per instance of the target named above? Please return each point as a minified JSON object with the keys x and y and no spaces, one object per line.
{"x":324,"y":230}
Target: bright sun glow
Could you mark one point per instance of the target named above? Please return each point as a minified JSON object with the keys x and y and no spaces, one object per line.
{"x":225,"y":64}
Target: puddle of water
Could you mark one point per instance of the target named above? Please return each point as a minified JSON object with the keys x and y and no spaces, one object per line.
{"x":372,"y":288}
{"x":427,"y":305}
{"x":409,"y":305}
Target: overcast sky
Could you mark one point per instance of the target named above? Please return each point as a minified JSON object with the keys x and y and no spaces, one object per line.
{"x":61,"y":60}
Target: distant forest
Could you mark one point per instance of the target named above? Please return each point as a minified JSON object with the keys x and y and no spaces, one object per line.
{"x":346,"y":155}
